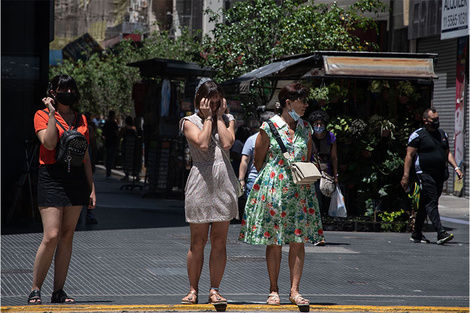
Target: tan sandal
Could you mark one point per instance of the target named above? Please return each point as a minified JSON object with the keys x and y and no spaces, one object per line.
{"x":219,"y":300}
{"x":273,"y":299}
{"x":191,"y":298}
{"x":298,"y":299}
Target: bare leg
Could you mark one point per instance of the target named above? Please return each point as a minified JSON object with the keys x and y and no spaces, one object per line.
{"x":195,"y":258}
{"x":273,"y":261}
{"x":218,"y":256}
{"x":63,"y":253}
{"x":51,"y":220}
{"x":296,"y":266}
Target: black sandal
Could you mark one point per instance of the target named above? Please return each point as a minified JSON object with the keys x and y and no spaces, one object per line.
{"x":35,"y":297}
{"x":60,"y":296}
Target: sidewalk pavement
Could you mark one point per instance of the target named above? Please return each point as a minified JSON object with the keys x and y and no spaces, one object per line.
{"x":134,"y":259}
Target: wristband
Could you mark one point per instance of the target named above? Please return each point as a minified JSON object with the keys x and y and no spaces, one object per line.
{"x":336,"y":175}
{"x":456,"y":169}
{"x":241,"y":179}
{"x":208,"y":118}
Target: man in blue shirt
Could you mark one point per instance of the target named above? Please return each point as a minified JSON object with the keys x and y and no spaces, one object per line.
{"x":247,"y":172}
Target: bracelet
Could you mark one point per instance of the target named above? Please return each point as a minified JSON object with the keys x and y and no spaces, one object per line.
{"x":208,"y":118}
{"x":456,"y":169}
{"x":241,"y":179}
{"x":336,"y":175}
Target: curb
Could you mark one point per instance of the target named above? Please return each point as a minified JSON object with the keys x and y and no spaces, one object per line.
{"x":229,"y":308}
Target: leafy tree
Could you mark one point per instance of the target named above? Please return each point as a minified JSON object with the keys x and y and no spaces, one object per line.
{"x":105,"y":81}
{"x":253,"y":33}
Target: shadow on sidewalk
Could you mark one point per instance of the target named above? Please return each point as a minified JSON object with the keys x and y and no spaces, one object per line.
{"x":116,"y":209}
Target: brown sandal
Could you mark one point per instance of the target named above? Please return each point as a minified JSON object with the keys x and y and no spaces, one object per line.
{"x":191,"y":298}
{"x":219,"y":301}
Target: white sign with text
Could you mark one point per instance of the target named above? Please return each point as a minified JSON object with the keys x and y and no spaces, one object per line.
{"x":454,"y":19}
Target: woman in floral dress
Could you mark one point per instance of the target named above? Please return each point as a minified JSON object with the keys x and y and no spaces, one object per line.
{"x":278,"y":211}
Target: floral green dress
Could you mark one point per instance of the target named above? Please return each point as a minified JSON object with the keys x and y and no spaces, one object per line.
{"x":278,"y":211}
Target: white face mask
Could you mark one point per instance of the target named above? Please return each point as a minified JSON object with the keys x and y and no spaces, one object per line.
{"x":294,"y":115}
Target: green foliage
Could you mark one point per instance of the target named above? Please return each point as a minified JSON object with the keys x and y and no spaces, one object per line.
{"x":319,"y":93}
{"x":253,"y":33}
{"x":357,"y":128}
{"x":394,"y":221}
{"x":339,"y":126}
{"x":337,"y":91}
{"x":405,"y":88}
{"x":105,"y":81}
{"x":378,"y":124}
{"x":377,"y":86}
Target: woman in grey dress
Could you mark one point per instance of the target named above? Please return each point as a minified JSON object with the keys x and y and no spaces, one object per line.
{"x":210,"y":194}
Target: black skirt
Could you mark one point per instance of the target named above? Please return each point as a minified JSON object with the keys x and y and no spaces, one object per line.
{"x":59,"y":188}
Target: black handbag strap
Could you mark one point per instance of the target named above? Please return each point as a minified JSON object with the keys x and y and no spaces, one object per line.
{"x":74,"y":124}
{"x":277,"y":136}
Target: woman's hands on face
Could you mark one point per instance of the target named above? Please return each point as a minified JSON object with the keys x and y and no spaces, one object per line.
{"x":49,"y":103}
{"x":205,"y":107}
{"x":222,"y":108}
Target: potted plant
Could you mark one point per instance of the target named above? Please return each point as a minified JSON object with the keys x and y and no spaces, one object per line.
{"x":319,"y":94}
{"x":381,"y":125}
{"x":336,"y":93}
{"x":404,"y":89}
{"x":377,"y":86}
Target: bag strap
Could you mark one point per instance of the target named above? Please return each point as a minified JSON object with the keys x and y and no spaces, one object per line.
{"x":221,"y":150}
{"x":70,"y":127}
{"x":277,"y":136}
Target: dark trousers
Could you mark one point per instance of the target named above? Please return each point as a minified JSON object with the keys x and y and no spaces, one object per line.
{"x":431,"y":189}
{"x":111,"y":153}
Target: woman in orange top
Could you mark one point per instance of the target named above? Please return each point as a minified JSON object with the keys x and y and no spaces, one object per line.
{"x":62,"y":190}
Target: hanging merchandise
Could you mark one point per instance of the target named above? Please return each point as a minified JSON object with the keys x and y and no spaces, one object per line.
{"x":165,"y":99}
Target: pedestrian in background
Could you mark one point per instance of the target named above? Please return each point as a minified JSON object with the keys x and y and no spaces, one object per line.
{"x":241,"y":135}
{"x":428,"y":150}
{"x":210,"y":194}
{"x":279,"y":212}
{"x":111,"y":141}
{"x":62,"y":190}
{"x":92,"y":151}
{"x":324,"y":155}
{"x":129,"y":136}
{"x":247,"y":172}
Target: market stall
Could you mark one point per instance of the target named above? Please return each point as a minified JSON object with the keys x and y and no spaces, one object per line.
{"x":161,"y":99}
{"x":375,"y":100}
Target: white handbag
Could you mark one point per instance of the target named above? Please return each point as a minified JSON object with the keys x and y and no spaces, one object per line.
{"x":302,"y":172}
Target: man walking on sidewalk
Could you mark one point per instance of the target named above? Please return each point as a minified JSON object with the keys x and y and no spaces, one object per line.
{"x":430,"y":146}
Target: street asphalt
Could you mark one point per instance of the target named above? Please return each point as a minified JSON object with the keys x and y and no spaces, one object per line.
{"x":134,"y":260}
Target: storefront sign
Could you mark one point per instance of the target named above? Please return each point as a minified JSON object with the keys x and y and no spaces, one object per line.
{"x":454,"y":19}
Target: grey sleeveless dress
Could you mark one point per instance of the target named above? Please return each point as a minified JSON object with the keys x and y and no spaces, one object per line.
{"x":210,"y":194}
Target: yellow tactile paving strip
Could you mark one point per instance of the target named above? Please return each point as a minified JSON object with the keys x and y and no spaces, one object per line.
{"x":228,"y":308}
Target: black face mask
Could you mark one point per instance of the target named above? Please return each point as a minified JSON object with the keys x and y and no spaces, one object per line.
{"x":66,"y":98}
{"x":435,"y":124}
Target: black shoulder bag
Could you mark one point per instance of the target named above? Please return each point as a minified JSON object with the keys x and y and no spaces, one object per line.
{"x":72,"y":146}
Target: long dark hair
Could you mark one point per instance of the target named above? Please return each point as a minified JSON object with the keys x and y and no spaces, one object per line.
{"x":292,"y":92}
{"x":63,"y":81}
{"x":207,"y":90}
